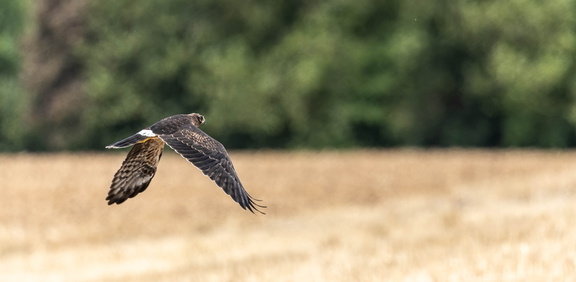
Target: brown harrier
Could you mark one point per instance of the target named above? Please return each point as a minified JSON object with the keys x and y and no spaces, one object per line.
{"x":182,"y":134}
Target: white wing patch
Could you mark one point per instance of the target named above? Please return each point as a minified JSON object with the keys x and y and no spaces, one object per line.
{"x":147,"y":133}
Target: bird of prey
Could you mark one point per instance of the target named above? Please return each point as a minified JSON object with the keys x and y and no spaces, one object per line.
{"x":182,"y":134}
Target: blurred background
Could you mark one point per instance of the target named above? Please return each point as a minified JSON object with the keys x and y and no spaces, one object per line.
{"x":76,"y":75}
{"x":325,"y":107}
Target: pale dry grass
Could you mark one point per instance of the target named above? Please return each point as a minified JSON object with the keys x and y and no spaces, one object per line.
{"x":400,"y":215}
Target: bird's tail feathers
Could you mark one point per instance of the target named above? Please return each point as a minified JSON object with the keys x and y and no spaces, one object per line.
{"x":134,"y":139}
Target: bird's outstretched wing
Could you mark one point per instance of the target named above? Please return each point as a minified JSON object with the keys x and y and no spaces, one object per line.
{"x":211,"y":158}
{"x":136,"y":171}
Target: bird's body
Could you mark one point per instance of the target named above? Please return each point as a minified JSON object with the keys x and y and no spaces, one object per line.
{"x":182,"y":134}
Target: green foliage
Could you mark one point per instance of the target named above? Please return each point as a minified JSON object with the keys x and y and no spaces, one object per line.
{"x":292,"y":74}
{"x":529,"y":63}
{"x":279,"y":74}
{"x":338,"y":73}
{"x":12,"y":100}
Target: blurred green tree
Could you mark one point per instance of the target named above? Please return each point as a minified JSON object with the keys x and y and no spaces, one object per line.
{"x":485,"y":73}
{"x":278,"y":74}
{"x":52,"y":74}
{"x":12,"y":100}
{"x":316,"y":74}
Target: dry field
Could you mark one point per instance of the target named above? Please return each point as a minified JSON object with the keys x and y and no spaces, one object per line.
{"x":393,"y":215}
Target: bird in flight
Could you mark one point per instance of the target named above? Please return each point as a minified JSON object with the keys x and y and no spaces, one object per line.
{"x":182,"y":134}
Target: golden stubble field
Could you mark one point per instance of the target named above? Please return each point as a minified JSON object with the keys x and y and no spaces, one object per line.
{"x":392,"y":215}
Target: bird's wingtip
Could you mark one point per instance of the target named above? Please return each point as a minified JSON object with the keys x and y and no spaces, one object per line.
{"x":254,"y":207}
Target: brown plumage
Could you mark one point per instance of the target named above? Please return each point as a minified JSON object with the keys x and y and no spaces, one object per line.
{"x":182,"y":134}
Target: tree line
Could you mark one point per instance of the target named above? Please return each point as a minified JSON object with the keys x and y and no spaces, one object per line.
{"x":76,"y":75}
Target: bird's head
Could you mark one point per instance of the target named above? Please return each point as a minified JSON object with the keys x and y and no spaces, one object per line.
{"x":197,"y":119}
